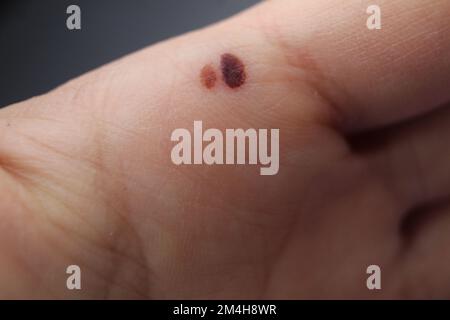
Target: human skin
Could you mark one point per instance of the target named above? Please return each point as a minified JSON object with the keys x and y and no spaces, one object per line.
{"x":86,"y":176}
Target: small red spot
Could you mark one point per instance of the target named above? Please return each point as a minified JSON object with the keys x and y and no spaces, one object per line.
{"x":233,"y":70}
{"x":208,"y":76}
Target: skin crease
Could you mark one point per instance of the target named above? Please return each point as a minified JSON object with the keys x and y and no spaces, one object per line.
{"x":86,"y":176}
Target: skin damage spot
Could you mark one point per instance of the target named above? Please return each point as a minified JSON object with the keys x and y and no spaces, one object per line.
{"x":208,"y":76}
{"x":233,"y":70}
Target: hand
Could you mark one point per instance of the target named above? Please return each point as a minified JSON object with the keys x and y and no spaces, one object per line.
{"x":86,"y":176}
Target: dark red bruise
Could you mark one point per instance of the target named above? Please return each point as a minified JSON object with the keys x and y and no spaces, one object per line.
{"x":233,"y":70}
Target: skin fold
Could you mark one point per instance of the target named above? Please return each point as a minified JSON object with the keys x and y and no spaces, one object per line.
{"x":86,"y":176}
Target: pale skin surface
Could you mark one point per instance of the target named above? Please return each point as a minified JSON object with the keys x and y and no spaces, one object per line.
{"x":86,"y":175}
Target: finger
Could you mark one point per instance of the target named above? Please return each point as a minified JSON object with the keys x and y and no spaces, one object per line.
{"x":413,"y":161}
{"x":371,"y":77}
{"x":425,"y":264}
{"x":367,"y":78}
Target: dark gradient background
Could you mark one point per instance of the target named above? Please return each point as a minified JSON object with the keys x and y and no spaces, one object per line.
{"x":38,"y":52}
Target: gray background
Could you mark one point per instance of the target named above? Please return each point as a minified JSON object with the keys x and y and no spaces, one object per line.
{"x":37,"y":52}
